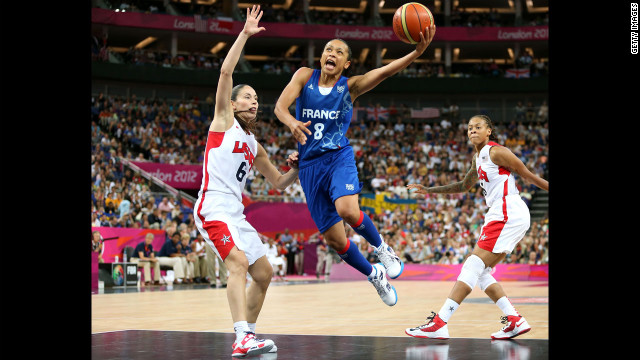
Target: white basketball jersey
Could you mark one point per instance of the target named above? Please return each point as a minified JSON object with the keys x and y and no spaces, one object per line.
{"x":496,"y":181}
{"x":228,"y":158}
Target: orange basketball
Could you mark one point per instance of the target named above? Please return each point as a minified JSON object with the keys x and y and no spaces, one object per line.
{"x":409,"y":20}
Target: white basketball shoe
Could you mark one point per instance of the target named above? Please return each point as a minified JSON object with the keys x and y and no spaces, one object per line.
{"x":249,"y":345}
{"x":390,"y":260}
{"x":379,"y":280}
{"x":514,"y":325}
{"x":435,"y":328}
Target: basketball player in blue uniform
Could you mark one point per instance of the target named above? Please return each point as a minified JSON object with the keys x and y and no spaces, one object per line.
{"x":327,"y":169}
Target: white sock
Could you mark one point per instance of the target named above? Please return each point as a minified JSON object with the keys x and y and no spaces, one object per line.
{"x":507,"y":308}
{"x":373,"y":272}
{"x":252,"y":327}
{"x":240,"y":328}
{"x":447,"y":309}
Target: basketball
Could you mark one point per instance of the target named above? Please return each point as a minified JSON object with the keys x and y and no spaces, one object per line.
{"x":409,"y":20}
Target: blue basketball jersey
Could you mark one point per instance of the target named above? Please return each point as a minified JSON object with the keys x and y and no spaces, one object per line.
{"x":330,"y":116}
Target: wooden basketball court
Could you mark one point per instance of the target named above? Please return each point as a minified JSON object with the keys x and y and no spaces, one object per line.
{"x":316,"y":312}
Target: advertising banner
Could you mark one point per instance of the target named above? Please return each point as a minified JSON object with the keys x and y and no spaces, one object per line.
{"x":436,"y":272}
{"x":272,"y":218}
{"x":177,"y":176}
{"x":310,"y":31}
{"x":117,"y":238}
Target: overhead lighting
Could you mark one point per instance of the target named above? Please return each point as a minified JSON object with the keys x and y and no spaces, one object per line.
{"x":511,"y":54}
{"x":219,"y":46}
{"x":381,"y":4}
{"x":437,"y":54}
{"x":291,"y":51}
{"x":285,"y":6}
{"x":383,"y":52}
{"x":257,"y":57}
{"x":456,"y":53}
{"x":145,"y":42}
{"x":363,"y":55}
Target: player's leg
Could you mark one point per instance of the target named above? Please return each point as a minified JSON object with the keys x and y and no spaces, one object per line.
{"x":348,"y":251}
{"x":344,"y":189}
{"x":499,"y":238}
{"x":238,"y":265}
{"x":472,"y":269}
{"x":261,"y":272}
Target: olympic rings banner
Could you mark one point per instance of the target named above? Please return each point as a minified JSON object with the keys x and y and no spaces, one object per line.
{"x":199,"y":24}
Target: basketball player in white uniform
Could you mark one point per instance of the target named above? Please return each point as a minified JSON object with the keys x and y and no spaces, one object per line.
{"x":505,"y":224}
{"x":231,"y":152}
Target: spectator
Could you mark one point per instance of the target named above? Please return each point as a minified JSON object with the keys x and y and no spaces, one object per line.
{"x":276,"y":259}
{"x":204,"y":265}
{"x":165,"y":205}
{"x":97,"y":245}
{"x":155,"y":219}
{"x":531,"y":112}
{"x":170,"y":255}
{"x":193,"y":265}
{"x":543,"y":112}
{"x":299,"y":257}
{"x":144,"y":256}
{"x":325,"y":260}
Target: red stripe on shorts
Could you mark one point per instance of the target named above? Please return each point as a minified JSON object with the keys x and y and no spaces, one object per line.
{"x":490,"y":234}
{"x":213,"y":140}
{"x":220,"y":235}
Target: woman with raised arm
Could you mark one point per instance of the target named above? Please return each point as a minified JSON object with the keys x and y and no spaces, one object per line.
{"x":231,"y":151}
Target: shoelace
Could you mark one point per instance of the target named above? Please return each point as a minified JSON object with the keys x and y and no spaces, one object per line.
{"x":504,"y":320}
{"x":386,"y":254}
{"x":429,"y":320}
{"x":377,"y":283}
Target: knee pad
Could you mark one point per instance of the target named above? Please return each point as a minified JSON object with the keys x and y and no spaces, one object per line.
{"x":471,"y":271}
{"x":486,"y":279}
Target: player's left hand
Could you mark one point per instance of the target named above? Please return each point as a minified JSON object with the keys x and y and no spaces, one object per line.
{"x":253,"y":17}
{"x":425,"y":38}
{"x":292,"y":160}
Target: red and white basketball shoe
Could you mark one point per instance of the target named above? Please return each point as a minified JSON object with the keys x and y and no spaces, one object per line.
{"x":251,"y":346}
{"x":435,"y":328}
{"x":514,"y":325}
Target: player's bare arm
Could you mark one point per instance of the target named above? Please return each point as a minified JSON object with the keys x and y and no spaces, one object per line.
{"x":504,"y":157}
{"x":272,"y":174}
{"x":223,"y":113}
{"x":288,"y":96}
{"x":360,"y":84}
{"x":465,"y":185}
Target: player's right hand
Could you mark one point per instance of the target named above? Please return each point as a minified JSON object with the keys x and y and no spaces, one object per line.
{"x":298,"y":129}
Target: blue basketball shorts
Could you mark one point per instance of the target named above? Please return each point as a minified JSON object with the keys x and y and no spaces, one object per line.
{"x":326,"y":179}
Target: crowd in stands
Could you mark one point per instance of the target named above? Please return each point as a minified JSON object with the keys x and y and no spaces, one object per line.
{"x":390,"y":153}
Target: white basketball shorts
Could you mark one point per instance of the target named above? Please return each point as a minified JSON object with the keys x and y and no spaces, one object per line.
{"x":224,"y":231}
{"x":505,"y":224}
